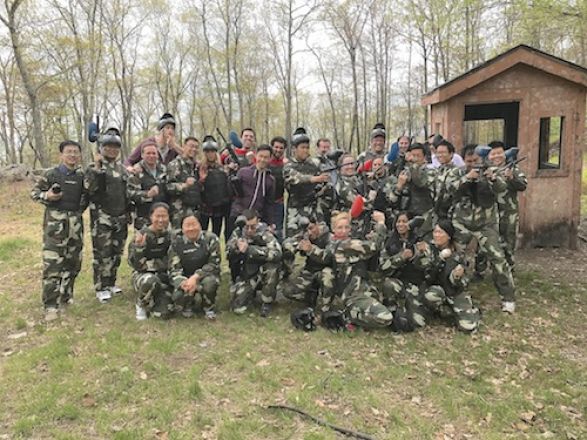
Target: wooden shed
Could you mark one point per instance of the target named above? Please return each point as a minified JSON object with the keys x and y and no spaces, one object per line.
{"x":536,"y":102}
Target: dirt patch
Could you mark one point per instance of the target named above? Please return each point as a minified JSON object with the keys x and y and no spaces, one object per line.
{"x":563,"y":265}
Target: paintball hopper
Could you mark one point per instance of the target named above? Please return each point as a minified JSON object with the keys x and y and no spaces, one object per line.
{"x":111,"y":137}
{"x":436,"y":140}
{"x":300,"y":137}
{"x":365,"y":166}
{"x":511,"y":154}
{"x":334,"y":321}
{"x":482,"y":151}
{"x":94,"y":129}
{"x":234,"y":139}
{"x":209,"y":143}
{"x":416,"y":223}
{"x":303,"y":319}
{"x":357,"y":207}
{"x":240,"y":222}
{"x":378,"y":130}
{"x":335,"y":155}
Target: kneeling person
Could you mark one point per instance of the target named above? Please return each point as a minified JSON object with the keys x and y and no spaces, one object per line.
{"x":256,"y":254}
{"x":194,"y":269}
{"x":148,"y":256}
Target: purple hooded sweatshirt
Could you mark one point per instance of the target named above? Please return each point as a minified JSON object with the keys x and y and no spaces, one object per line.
{"x":259,"y":193}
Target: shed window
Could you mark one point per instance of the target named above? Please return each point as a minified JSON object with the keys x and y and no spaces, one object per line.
{"x":551,"y":142}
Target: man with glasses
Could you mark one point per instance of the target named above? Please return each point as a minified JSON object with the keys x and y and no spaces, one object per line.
{"x":61,"y":190}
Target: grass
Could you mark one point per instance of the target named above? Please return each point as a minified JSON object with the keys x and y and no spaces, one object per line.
{"x":584,"y":187}
{"x":97,"y":373}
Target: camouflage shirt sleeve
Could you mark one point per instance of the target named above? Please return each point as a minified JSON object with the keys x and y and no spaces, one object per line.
{"x":175,"y":179}
{"x":39,"y":191}
{"x":175,"y":267}
{"x":518,"y":182}
{"x":270,"y":252}
{"x":134,"y":190}
{"x":212,"y":267}
{"x":293,"y":177}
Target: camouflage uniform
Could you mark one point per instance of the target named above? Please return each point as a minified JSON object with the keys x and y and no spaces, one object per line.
{"x":442,"y":293}
{"x":306,"y":285}
{"x":150,"y":272}
{"x":259,"y":268}
{"x":417,"y":197}
{"x":347,"y":189}
{"x":107,"y":187}
{"x":138,"y":186}
{"x":201,"y":257}
{"x":507,"y":204}
{"x":402,"y":277}
{"x":63,"y":231}
{"x":186,"y":201}
{"x":443,"y":201}
{"x":303,"y":199}
{"x":475,"y":216}
{"x":347,"y":277}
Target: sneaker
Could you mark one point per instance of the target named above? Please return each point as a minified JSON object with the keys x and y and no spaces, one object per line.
{"x":210,"y":315}
{"x":240,"y":310}
{"x":265,"y":310}
{"x":115,"y":290}
{"x":51,"y":314}
{"x":141,"y":313}
{"x":508,"y":307}
{"x":187,"y":313}
{"x":104,"y":296}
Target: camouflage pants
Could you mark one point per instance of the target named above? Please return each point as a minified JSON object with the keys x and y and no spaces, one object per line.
{"x":395,"y":291}
{"x":204,"y":298}
{"x":423,"y":302}
{"x":62,"y":255}
{"x":304,"y":287}
{"x":490,"y":246}
{"x":361,"y":301}
{"x":243,"y":291}
{"x":508,"y":229}
{"x":153,"y":293}
{"x":108,"y":238}
{"x":289,"y":248}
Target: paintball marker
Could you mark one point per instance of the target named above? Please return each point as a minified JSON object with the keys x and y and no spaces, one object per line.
{"x":110,"y":136}
{"x":233,"y":180}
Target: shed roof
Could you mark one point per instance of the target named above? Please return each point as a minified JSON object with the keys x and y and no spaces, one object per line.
{"x":521,"y":54}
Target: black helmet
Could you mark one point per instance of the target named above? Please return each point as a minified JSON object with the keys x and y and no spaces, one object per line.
{"x":303,"y":319}
{"x":111,"y":137}
{"x":334,"y":320}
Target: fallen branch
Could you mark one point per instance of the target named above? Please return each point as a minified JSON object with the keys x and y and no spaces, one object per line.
{"x":344,"y":431}
{"x":582,"y":238}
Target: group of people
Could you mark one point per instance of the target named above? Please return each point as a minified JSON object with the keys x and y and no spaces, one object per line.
{"x":377,"y":240}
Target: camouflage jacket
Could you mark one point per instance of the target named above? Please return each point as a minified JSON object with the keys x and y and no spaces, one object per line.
{"x":263,"y":246}
{"x":507,"y":201}
{"x":440,"y":270}
{"x":107,"y":187}
{"x":178,"y":170}
{"x":474,"y":201}
{"x":297,"y":177}
{"x":208,"y":248}
{"x":152,"y":256}
{"x":347,"y":188}
{"x":58,"y":175}
{"x":139,"y":184}
{"x":443,"y":196}
{"x":392,"y":263}
{"x":349,"y":256}
{"x":421,"y":188}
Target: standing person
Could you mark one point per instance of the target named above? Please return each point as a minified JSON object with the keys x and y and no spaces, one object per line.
{"x":246,"y":153}
{"x":475,"y":216}
{"x":254,"y":250}
{"x":61,"y":190}
{"x":278,"y":160}
{"x":216,"y":190}
{"x":507,"y":201}
{"x":308,"y":189}
{"x":194,"y":269}
{"x":148,"y":185}
{"x":443,"y":196}
{"x":377,"y":145}
{"x":184,"y":187}
{"x":167,"y":146}
{"x":148,"y":256}
{"x":396,"y":160}
{"x":434,"y":141}
{"x":415,"y":186}
{"x":106,"y":182}
{"x":258,"y":189}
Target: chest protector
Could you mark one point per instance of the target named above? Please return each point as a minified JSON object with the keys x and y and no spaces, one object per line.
{"x":157,"y":246}
{"x":71,"y":190}
{"x":303,"y":194}
{"x":482,"y":195}
{"x":420,"y":200}
{"x":216,"y":192}
{"x":192,"y":197}
{"x":113,"y":199}
{"x":193,"y":256}
{"x":148,"y":181}
{"x":315,"y":266}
